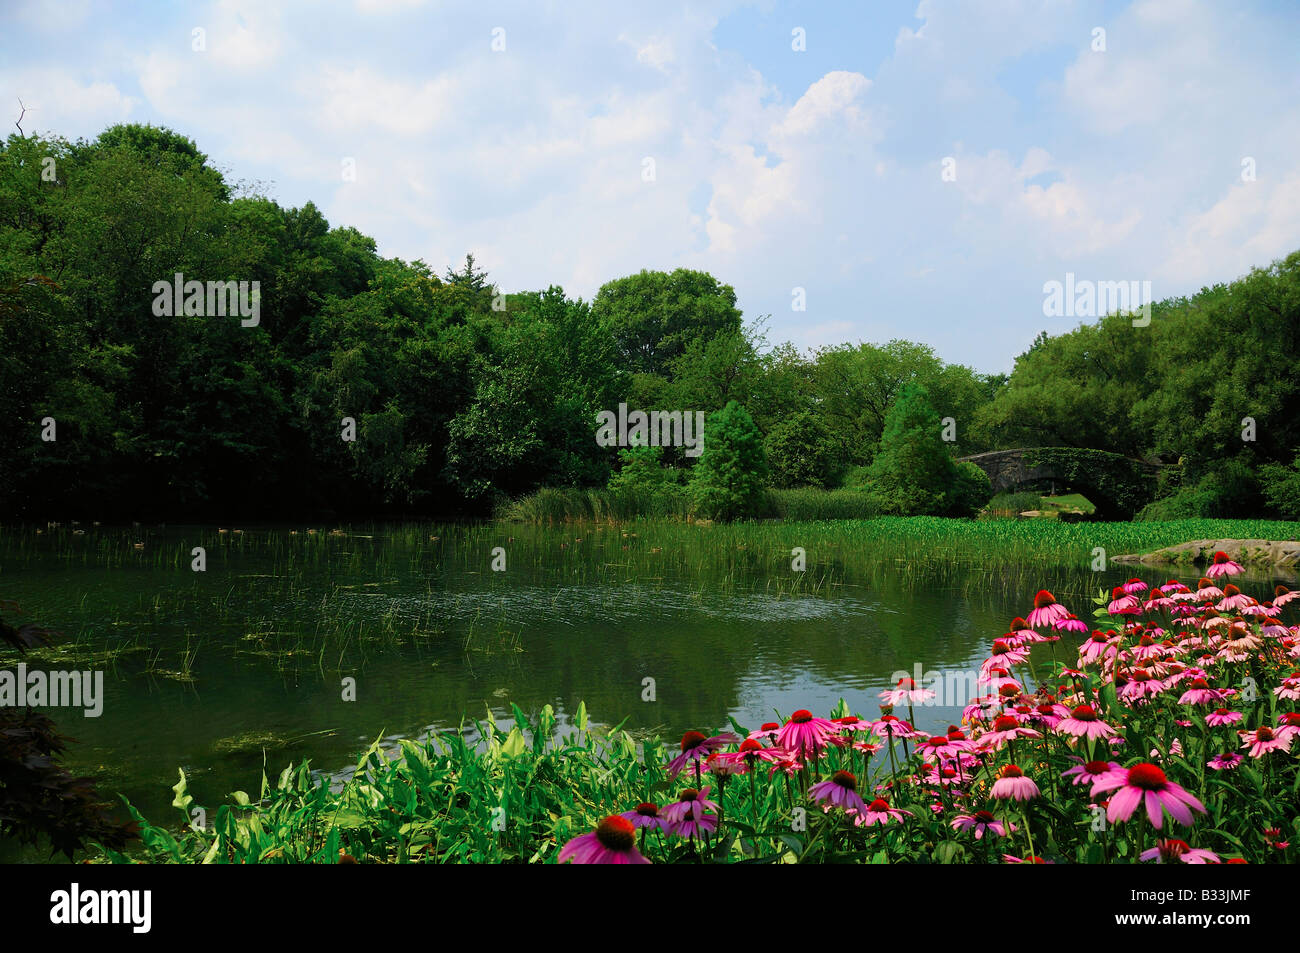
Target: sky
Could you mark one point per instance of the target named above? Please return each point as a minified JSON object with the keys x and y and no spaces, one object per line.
{"x":914,"y":170}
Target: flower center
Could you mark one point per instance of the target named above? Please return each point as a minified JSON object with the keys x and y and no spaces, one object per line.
{"x":1220,"y":558}
{"x":749,"y":744}
{"x":646,"y":809}
{"x":1148,"y":777}
{"x":690,"y":794}
{"x":1200,"y":683}
{"x":984,"y":817}
{"x":1011,"y":771}
{"x":769,"y":726}
{"x":616,"y":833}
{"x":878,"y":806}
{"x":801,"y":717}
{"x":845,"y":780}
{"x":1004,"y":723}
{"x":1084,"y":713}
{"x":1043,"y":599}
{"x":1264,"y":733}
{"x":692,"y":739}
{"x":1096,"y":767}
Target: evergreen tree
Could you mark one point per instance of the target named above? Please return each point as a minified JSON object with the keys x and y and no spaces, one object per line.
{"x":728,"y":481}
{"x":912,"y":474}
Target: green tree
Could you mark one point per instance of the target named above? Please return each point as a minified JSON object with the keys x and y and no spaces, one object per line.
{"x":912,"y":475}
{"x":728,"y":481}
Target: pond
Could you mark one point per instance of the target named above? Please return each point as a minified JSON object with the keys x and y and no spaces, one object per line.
{"x":295,"y":645}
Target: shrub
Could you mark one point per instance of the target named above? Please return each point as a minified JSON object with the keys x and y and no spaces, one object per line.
{"x":800,"y":452}
{"x":1281,"y":485}
{"x":971,"y":490}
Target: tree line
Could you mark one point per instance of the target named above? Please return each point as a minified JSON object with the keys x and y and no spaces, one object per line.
{"x":461,"y":396}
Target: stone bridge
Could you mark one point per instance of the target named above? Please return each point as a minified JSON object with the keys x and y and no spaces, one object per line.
{"x":1117,"y":485}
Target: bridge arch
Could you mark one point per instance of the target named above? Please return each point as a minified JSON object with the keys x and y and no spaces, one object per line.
{"x":1117,"y":485}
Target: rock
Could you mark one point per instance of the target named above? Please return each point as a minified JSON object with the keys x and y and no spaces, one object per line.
{"x":1258,"y":552}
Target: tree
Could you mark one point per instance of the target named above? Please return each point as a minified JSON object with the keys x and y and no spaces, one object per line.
{"x":654,"y":316}
{"x":727,"y":482}
{"x":912,"y":475}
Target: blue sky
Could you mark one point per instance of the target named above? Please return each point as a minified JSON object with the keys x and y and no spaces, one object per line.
{"x":774,"y":168}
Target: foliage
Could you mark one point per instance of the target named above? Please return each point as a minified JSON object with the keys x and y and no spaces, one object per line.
{"x":727,"y":482}
{"x":1282,"y":488}
{"x":971,"y":490}
{"x":40,"y":800}
{"x":800,"y":452}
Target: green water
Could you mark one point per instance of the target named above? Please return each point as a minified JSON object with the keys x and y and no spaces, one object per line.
{"x":213,"y":671}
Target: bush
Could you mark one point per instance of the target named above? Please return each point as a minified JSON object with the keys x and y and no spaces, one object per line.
{"x":800,"y":452}
{"x":728,"y":481}
{"x":642,"y":471}
{"x":971,"y":490}
{"x":1281,"y":485}
{"x":1230,"y":489}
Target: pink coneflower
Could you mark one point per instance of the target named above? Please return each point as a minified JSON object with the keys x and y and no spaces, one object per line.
{"x":890,"y":726}
{"x":1263,"y":740}
{"x":1141,"y":684}
{"x":906,"y":693}
{"x":1013,"y":785}
{"x":1200,"y":693}
{"x":1084,"y":723}
{"x":1071,"y":623}
{"x":804,"y":733}
{"x":1046,"y":610}
{"x":937,"y":748}
{"x":1206,"y":590}
{"x":1173,"y":586}
{"x":1121,"y":603}
{"x":696,"y":747}
{"x":1223,"y":566}
{"x":1005,"y":728}
{"x":612,"y":842}
{"x":751,"y":750}
{"x":1098,"y":646}
{"x":1034,"y":859}
{"x":646,"y":815}
{"x":1225,"y":762}
{"x":1168,"y":851}
{"x":1222,"y":716}
{"x":1003,"y":655}
{"x":1288,"y":726}
{"x":1145,"y":784}
{"x":1289,"y":690}
{"x":879,"y":812}
{"x":1090,"y":772}
{"x":687,"y":816}
{"x":724,"y":764}
{"x":1134,"y":586}
{"x":766,"y":732}
{"x":1233,"y":598}
{"x":980,"y":822}
{"x":1282,"y":595}
{"x":841,"y":791}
